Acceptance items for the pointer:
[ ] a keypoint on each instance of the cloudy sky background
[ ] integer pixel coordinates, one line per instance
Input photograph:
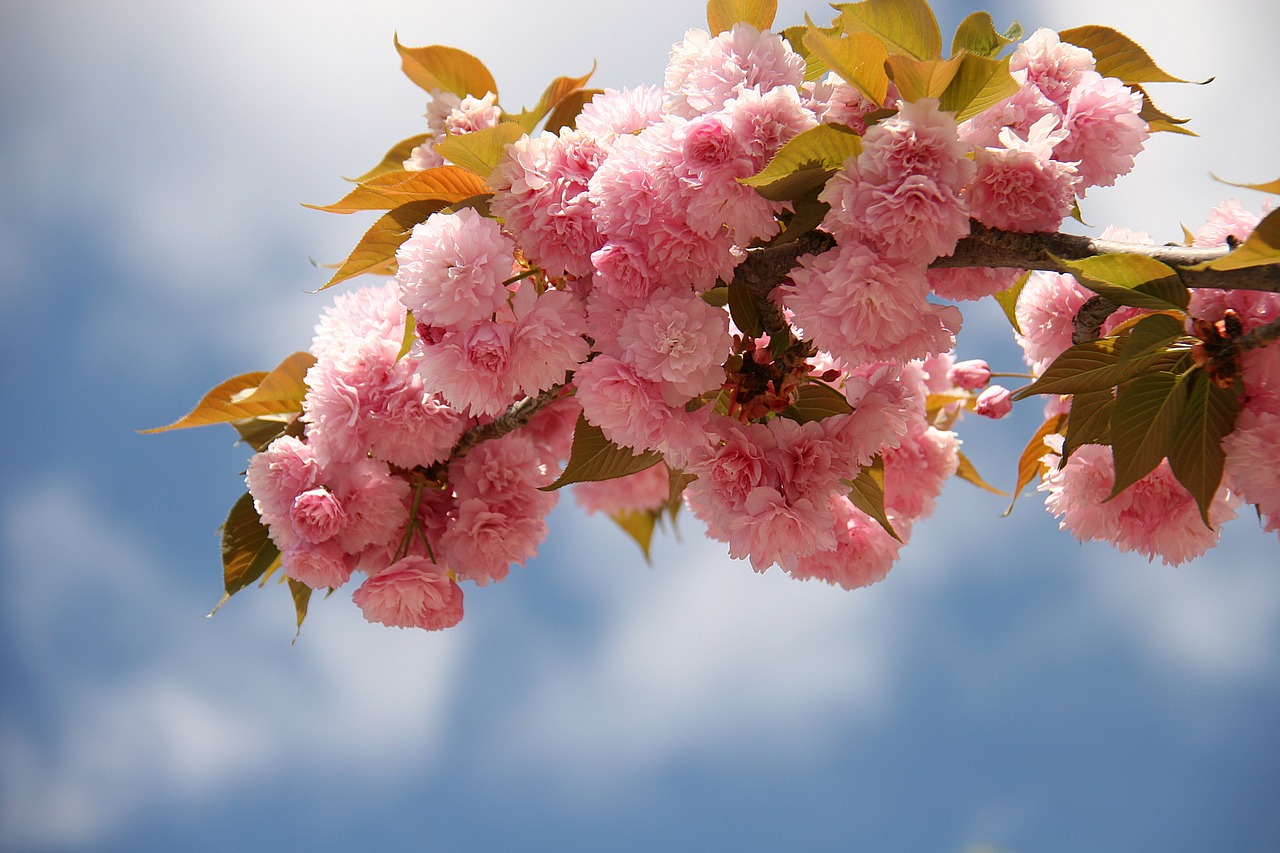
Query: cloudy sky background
(1004, 686)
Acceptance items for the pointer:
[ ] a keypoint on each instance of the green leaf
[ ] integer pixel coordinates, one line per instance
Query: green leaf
(1142, 425)
(677, 481)
(804, 164)
(376, 251)
(301, 594)
(593, 458)
(447, 69)
(410, 335)
(448, 184)
(250, 395)
(857, 57)
(1268, 187)
(1134, 280)
(716, 297)
(922, 78)
(968, 472)
(866, 492)
(743, 310)
(1117, 55)
(481, 150)
(1008, 300)
(566, 113)
(807, 214)
(815, 401)
(1154, 331)
(977, 35)
(247, 549)
(904, 26)
(978, 83)
(1196, 456)
(1089, 421)
(639, 525)
(393, 160)
(814, 67)
(560, 88)
(1096, 366)
(723, 14)
(1029, 464)
(1259, 248)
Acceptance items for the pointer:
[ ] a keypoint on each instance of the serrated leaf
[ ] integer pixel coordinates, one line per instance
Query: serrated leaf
(393, 160)
(1097, 366)
(1154, 331)
(723, 14)
(744, 311)
(1268, 187)
(238, 398)
(1029, 464)
(978, 83)
(922, 78)
(593, 458)
(807, 214)
(481, 150)
(560, 88)
(1117, 55)
(1089, 421)
(448, 184)
(1142, 426)
(447, 69)
(1158, 120)
(247, 549)
(301, 594)
(1134, 280)
(376, 251)
(968, 472)
(639, 525)
(804, 163)
(815, 401)
(977, 35)
(857, 57)
(866, 492)
(1196, 455)
(566, 113)
(903, 26)
(1008, 300)
(1259, 248)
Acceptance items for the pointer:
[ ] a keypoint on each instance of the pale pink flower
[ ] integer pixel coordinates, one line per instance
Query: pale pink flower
(834, 101)
(357, 321)
(1051, 65)
(1018, 113)
(319, 565)
(628, 408)
(485, 539)
(1019, 186)
(376, 504)
(864, 550)
(764, 121)
(317, 515)
(915, 470)
(547, 341)
(644, 490)
(679, 342)
(622, 269)
(413, 593)
(883, 408)
(279, 474)
(919, 140)
(471, 369)
(622, 111)
(423, 157)
(774, 530)
(1045, 310)
(970, 375)
(1104, 130)
(970, 283)
(1253, 465)
(452, 268)
(506, 469)
(704, 72)
(1229, 219)
(995, 402)
(447, 113)
(915, 220)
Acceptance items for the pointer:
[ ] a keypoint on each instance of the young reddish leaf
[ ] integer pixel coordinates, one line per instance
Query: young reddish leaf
(447, 69)
(815, 401)
(639, 525)
(922, 78)
(978, 83)
(247, 549)
(560, 88)
(447, 184)
(1029, 464)
(977, 35)
(723, 14)
(903, 26)
(1196, 456)
(393, 160)
(866, 492)
(1260, 247)
(566, 113)
(593, 457)
(1008, 300)
(1142, 426)
(1117, 55)
(480, 151)
(805, 163)
(968, 472)
(857, 57)
(1135, 280)
(376, 251)
(281, 392)
(301, 594)
(1089, 421)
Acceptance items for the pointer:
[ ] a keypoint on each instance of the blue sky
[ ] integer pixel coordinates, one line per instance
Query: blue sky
(1004, 687)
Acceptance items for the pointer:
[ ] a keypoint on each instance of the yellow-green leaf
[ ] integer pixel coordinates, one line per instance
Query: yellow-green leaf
(1117, 55)
(301, 594)
(447, 69)
(447, 184)
(481, 150)
(1089, 421)
(376, 251)
(566, 113)
(560, 88)
(259, 432)
(1142, 426)
(857, 57)
(639, 525)
(922, 78)
(814, 67)
(1196, 455)
(968, 472)
(1029, 464)
(977, 35)
(393, 160)
(1008, 300)
(1157, 119)
(593, 457)
(978, 83)
(250, 395)
(815, 401)
(410, 335)
(247, 549)
(1134, 280)
(904, 26)
(723, 14)
(866, 492)
(1268, 187)
(805, 162)
(1260, 247)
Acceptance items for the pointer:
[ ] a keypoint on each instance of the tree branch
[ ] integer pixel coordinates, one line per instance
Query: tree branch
(518, 415)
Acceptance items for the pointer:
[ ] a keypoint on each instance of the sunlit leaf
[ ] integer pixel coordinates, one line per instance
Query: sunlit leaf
(282, 391)
(814, 67)
(723, 14)
(1260, 247)
(805, 162)
(393, 160)
(410, 335)
(1089, 421)
(968, 472)
(1134, 280)
(560, 88)
(922, 78)
(744, 311)
(447, 184)
(866, 492)
(301, 594)
(285, 385)
(639, 525)
(593, 458)
(1008, 300)
(857, 57)
(1268, 187)
(1029, 464)
(1196, 457)
(1157, 119)
(1142, 425)
(815, 401)
(376, 250)
(904, 26)
(480, 151)
(570, 107)
(1117, 55)
(258, 433)
(247, 549)
(977, 35)
(447, 69)
(978, 83)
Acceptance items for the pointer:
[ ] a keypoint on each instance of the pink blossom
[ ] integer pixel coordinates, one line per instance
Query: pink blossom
(622, 269)
(375, 502)
(319, 565)
(995, 402)
(969, 283)
(1252, 464)
(279, 474)
(447, 113)
(1017, 113)
(452, 268)
(970, 375)
(471, 370)
(1051, 65)
(643, 490)
(628, 408)
(622, 111)
(1045, 309)
(547, 341)
(915, 470)
(705, 72)
(423, 157)
(834, 101)
(317, 515)
(920, 140)
(773, 530)
(763, 122)
(1019, 186)
(679, 342)
(485, 539)
(863, 554)
(914, 220)
(1104, 130)
(1229, 219)
(412, 593)
(357, 321)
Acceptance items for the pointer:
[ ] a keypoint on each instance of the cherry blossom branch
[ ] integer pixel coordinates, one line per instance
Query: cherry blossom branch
(518, 415)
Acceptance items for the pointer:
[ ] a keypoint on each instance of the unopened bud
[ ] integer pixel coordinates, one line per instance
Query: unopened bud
(970, 375)
(995, 402)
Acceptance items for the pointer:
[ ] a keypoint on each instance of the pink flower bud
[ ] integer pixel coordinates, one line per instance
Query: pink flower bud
(995, 402)
(970, 375)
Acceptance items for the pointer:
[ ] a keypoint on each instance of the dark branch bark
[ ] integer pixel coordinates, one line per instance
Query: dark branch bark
(509, 421)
